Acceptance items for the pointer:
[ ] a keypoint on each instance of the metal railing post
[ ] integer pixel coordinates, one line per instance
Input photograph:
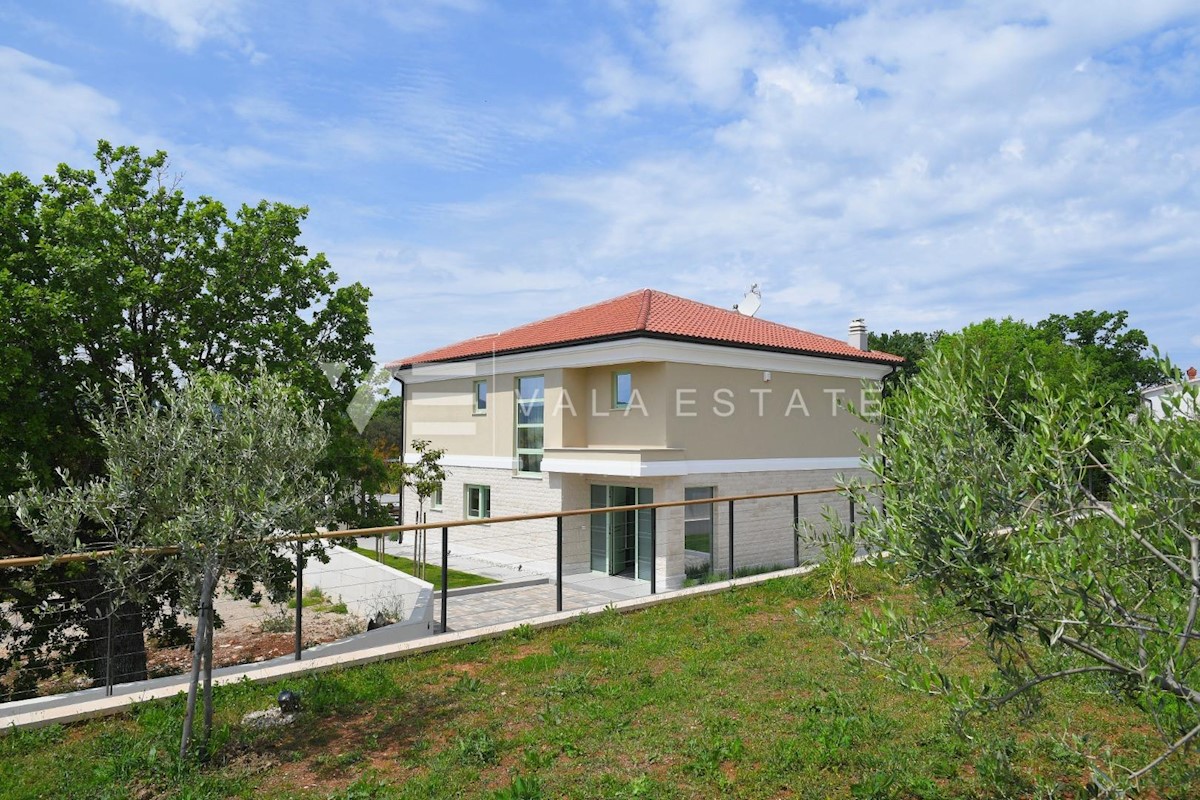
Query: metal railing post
(883, 490)
(108, 655)
(852, 517)
(730, 540)
(558, 564)
(653, 551)
(796, 529)
(445, 572)
(299, 600)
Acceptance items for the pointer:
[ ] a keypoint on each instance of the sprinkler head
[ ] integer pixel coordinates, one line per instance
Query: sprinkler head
(289, 701)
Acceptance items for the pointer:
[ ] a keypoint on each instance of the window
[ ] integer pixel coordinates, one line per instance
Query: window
(478, 501)
(479, 395)
(435, 499)
(622, 389)
(698, 520)
(531, 406)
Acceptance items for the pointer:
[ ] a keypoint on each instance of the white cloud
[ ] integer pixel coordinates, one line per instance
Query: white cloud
(926, 167)
(921, 164)
(423, 15)
(424, 296)
(60, 117)
(415, 117)
(710, 46)
(689, 52)
(619, 87)
(191, 22)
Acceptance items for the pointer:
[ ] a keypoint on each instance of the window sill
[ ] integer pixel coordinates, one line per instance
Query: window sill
(530, 476)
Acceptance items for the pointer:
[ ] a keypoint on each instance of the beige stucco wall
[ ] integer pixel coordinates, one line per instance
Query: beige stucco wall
(569, 430)
(441, 412)
(735, 413)
(643, 423)
(708, 412)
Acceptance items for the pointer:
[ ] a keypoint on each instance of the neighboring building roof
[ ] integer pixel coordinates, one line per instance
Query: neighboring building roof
(649, 313)
(1155, 396)
(1172, 387)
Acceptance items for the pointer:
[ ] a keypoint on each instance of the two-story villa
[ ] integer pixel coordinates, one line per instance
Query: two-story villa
(647, 397)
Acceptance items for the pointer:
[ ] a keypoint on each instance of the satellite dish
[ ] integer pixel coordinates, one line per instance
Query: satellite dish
(751, 301)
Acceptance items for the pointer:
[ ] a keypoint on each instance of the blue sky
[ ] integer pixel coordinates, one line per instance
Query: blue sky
(481, 164)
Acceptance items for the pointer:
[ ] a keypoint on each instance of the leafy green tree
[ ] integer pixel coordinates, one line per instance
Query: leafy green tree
(112, 271)
(384, 431)
(983, 471)
(1004, 346)
(1119, 357)
(385, 434)
(213, 473)
(913, 346)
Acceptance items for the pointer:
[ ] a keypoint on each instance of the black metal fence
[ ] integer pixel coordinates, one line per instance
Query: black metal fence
(79, 629)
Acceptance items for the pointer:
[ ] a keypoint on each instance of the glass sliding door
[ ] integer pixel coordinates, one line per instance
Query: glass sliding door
(620, 540)
(698, 530)
(599, 543)
(644, 526)
(622, 530)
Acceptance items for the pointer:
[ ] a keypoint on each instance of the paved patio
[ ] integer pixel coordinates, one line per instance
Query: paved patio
(493, 607)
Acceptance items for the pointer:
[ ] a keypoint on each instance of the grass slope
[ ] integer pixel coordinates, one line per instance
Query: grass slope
(742, 694)
(433, 572)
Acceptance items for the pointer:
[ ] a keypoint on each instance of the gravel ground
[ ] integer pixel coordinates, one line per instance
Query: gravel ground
(251, 633)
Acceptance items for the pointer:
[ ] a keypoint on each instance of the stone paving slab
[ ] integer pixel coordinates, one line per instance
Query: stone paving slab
(507, 605)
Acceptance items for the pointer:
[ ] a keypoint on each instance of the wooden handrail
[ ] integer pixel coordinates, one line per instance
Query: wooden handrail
(94, 555)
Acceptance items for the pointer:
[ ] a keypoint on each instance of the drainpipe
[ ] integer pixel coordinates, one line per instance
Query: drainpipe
(883, 456)
(403, 403)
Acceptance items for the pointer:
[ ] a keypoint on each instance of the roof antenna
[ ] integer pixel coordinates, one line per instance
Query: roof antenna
(751, 301)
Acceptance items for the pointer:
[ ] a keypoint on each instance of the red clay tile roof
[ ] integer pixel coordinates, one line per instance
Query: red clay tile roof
(654, 314)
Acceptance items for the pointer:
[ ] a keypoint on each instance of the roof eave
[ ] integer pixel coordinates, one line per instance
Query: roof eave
(865, 357)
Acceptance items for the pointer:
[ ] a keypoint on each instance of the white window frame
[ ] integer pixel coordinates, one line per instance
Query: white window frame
(517, 425)
(485, 501)
(475, 407)
(616, 400)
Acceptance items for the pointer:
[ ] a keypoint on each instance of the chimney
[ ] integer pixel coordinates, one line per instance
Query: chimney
(1191, 373)
(858, 334)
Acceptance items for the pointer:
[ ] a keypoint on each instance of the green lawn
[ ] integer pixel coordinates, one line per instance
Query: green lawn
(744, 694)
(433, 572)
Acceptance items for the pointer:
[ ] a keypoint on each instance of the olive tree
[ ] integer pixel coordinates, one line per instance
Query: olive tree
(198, 485)
(987, 507)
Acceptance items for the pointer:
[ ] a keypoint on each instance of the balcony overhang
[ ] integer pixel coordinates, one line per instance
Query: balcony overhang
(625, 462)
(658, 462)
